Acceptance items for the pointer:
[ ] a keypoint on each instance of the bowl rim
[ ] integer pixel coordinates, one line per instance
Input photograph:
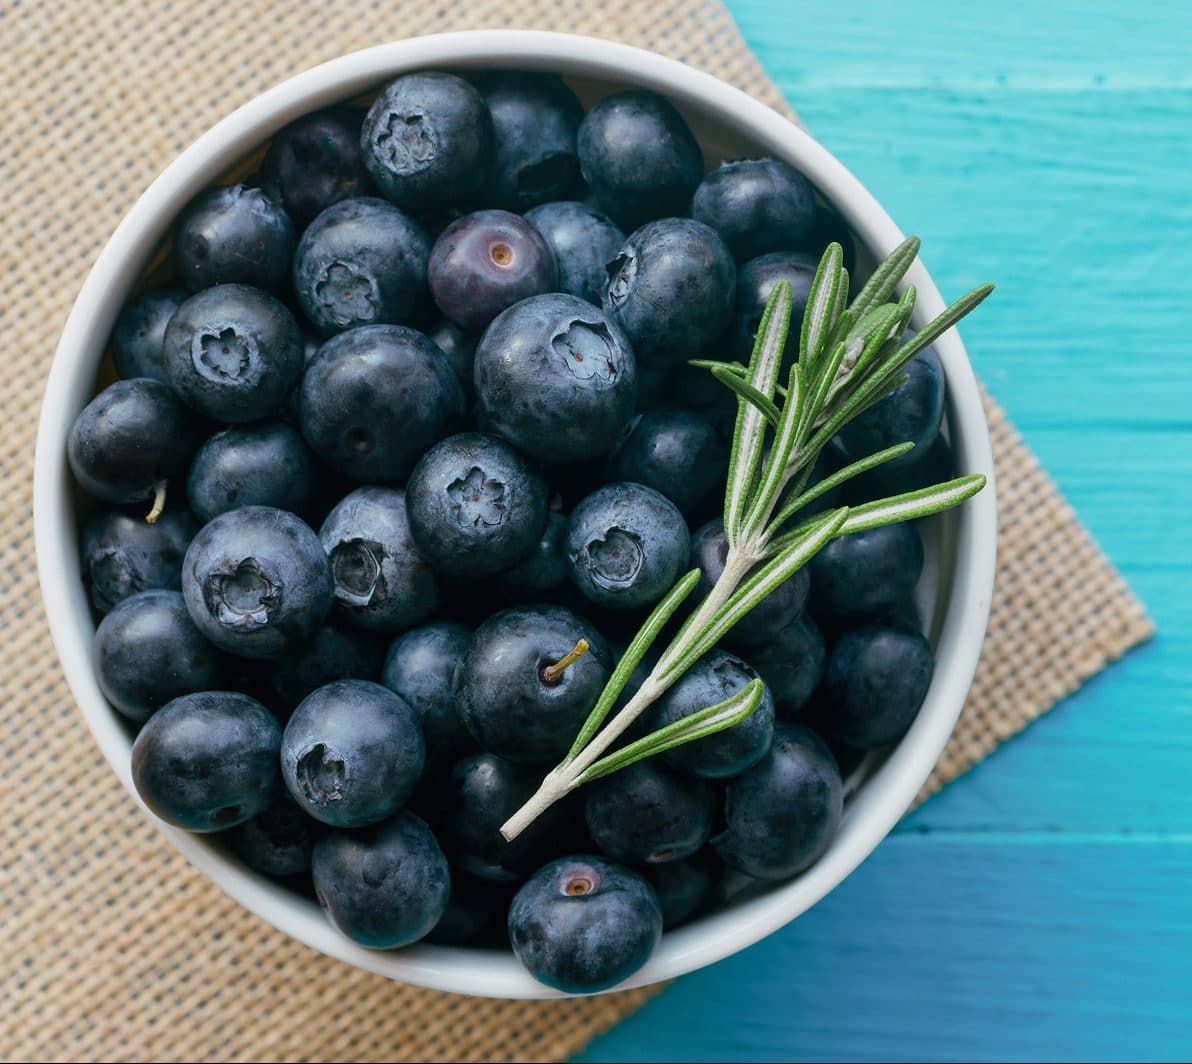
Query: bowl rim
(886, 794)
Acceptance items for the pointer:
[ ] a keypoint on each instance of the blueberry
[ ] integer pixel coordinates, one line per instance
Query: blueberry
(352, 753)
(148, 652)
(583, 924)
(556, 377)
(709, 550)
(140, 332)
(476, 507)
(234, 235)
(207, 761)
(685, 888)
(383, 583)
(420, 667)
(265, 464)
(645, 814)
(428, 140)
(876, 681)
(476, 797)
(521, 694)
(123, 553)
(384, 887)
(373, 399)
(791, 663)
(755, 282)
(129, 439)
(866, 574)
(783, 813)
(256, 581)
(459, 348)
(639, 157)
(330, 654)
(278, 841)
(535, 118)
(912, 413)
(757, 206)
(475, 914)
(233, 353)
(545, 568)
(584, 241)
(830, 227)
(716, 677)
(361, 262)
(626, 545)
(671, 288)
(487, 261)
(675, 452)
(315, 162)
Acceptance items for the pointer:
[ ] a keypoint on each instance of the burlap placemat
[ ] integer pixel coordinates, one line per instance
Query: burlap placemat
(111, 946)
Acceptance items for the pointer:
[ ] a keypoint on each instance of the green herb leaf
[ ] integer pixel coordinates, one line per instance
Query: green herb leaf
(749, 434)
(885, 278)
(697, 725)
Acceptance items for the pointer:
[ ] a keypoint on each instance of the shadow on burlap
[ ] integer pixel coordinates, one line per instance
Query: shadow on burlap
(111, 946)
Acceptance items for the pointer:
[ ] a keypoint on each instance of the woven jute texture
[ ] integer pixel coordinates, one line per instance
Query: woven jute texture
(111, 946)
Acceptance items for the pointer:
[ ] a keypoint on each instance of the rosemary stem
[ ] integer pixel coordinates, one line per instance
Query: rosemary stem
(565, 778)
(552, 789)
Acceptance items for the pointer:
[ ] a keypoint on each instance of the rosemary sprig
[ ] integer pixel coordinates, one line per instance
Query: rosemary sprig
(849, 358)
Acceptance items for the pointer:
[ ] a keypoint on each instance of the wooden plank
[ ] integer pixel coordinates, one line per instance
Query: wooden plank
(1062, 45)
(1076, 205)
(962, 947)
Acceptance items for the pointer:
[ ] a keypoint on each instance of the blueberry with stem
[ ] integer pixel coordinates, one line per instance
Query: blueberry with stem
(122, 553)
(528, 680)
(130, 441)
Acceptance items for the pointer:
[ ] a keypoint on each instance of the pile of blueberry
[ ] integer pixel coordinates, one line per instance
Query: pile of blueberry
(415, 430)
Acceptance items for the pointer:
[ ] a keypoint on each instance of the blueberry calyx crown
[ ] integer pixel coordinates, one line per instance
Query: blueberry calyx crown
(244, 598)
(407, 141)
(616, 559)
(621, 272)
(221, 353)
(347, 295)
(586, 350)
(356, 570)
(477, 499)
(321, 774)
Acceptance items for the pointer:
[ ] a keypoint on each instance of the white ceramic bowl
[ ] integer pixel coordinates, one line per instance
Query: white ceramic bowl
(954, 594)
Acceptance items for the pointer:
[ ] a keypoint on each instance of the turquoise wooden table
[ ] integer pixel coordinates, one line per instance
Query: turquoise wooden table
(1041, 907)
